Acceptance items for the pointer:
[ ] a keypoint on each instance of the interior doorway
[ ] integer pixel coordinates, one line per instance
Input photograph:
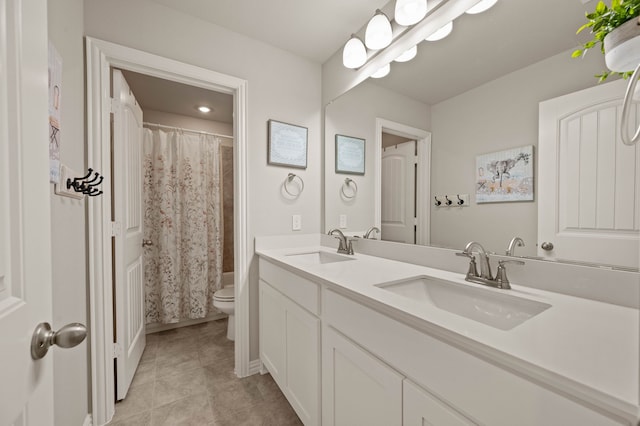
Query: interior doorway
(407, 214)
(101, 58)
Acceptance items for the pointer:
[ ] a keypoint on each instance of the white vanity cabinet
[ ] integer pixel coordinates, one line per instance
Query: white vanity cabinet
(420, 408)
(290, 339)
(358, 389)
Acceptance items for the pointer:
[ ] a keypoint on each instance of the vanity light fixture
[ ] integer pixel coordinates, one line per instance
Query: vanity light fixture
(409, 12)
(481, 6)
(382, 72)
(408, 55)
(444, 31)
(378, 34)
(354, 54)
(204, 109)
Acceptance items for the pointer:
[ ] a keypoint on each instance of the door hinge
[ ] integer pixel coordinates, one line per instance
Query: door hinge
(116, 229)
(117, 350)
(114, 104)
(415, 221)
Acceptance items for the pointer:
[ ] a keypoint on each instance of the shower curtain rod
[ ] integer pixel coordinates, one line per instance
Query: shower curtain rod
(186, 130)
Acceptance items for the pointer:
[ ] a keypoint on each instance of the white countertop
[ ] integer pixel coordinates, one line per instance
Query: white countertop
(587, 348)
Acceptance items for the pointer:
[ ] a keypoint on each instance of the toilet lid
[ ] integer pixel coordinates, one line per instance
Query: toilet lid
(224, 293)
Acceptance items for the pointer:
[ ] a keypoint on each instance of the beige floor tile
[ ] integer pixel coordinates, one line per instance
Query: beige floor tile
(177, 386)
(187, 376)
(138, 400)
(141, 419)
(193, 410)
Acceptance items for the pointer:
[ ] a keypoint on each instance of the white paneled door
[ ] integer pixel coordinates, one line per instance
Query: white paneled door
(26, 385)
(398, 204)
(589, 181)
(127, 206)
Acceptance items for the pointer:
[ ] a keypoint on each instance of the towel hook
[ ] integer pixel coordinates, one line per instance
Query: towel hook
(86, 184)
(347, 184)
(290, 177)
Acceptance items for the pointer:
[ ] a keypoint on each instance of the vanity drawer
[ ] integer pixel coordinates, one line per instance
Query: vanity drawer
(302, 291)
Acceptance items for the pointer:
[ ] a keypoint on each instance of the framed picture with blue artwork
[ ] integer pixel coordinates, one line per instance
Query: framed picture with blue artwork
(350, 157)
(286, 145)
(505, 176)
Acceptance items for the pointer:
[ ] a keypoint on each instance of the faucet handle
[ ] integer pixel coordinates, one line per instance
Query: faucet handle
(473, 268)
(465, 254)
(501, 273)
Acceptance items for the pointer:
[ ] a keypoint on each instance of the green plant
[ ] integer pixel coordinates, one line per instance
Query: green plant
(602, 21)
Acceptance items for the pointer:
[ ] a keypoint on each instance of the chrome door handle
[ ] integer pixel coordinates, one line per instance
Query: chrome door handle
(546, 246)
(146, 243)
(67, 337)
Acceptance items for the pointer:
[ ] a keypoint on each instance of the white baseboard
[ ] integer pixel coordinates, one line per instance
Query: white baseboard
(88, 421)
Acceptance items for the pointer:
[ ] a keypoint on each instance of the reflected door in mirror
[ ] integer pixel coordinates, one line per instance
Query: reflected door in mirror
(399, 164)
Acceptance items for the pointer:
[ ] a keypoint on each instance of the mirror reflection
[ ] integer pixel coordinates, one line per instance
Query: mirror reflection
(485, 89)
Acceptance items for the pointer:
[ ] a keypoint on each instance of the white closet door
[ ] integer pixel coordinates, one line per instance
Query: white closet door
(127, 202)
(398, 193)
(589, 181)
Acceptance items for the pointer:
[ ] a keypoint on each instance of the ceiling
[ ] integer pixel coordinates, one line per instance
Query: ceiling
(511, 35)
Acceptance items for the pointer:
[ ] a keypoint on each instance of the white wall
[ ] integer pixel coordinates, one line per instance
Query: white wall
(281, 86)
(354, 114)
(68, 238)
(499, 115)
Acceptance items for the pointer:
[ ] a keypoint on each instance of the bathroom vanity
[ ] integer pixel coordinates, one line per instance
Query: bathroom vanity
(361, 339)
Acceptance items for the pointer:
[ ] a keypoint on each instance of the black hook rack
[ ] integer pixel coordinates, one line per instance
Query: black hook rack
(86, 184)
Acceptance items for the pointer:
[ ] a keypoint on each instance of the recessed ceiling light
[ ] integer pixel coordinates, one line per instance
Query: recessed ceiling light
(204, 109)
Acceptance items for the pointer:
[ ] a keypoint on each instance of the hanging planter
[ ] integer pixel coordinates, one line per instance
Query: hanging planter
(617, 30)
(622, 47)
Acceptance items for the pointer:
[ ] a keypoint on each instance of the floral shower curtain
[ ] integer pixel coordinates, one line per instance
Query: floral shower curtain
(183, 220)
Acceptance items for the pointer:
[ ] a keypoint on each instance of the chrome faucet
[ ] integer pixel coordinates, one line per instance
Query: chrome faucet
(345, 246)
(485, 277)
(371, 231)
(515, 242)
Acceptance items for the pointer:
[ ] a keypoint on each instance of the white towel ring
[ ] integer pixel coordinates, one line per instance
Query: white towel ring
(347, 184)
(288, 180)
(626, 109)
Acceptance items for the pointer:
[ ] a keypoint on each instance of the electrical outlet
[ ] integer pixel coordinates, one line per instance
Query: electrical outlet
(343, 221)
(296, 222)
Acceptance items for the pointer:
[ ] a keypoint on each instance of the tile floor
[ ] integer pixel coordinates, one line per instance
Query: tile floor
(186, 377)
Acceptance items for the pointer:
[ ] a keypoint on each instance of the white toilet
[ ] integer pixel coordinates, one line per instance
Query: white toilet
(223, 299)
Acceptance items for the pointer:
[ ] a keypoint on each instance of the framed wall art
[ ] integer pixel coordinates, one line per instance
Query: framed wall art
(505, 176)
(350, 158)
(287, 145)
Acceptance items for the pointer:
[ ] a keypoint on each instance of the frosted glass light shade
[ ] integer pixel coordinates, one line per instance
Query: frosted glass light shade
(481, 7)
(354, 54)
(407, 55)
(444, 31)
(409, 12)
(382, 72)
(378, 34)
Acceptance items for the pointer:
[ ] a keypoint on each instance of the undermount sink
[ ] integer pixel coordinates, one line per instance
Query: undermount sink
(496, 309)
(318, 257)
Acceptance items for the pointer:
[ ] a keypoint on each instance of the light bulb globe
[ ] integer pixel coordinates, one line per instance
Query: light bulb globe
(378, 34)
(481, 7)
(407, 55)
(409, 12)
(382, 72)
(354, 54)
(444, 31)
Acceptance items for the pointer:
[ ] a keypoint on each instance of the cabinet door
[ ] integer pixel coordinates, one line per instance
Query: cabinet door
(421, 408)
(357, 388)
(272, 332)
(303, 363)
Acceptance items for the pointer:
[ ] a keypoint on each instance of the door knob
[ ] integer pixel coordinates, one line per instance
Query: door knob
(146, 243)
(547, 246)
(67, 337)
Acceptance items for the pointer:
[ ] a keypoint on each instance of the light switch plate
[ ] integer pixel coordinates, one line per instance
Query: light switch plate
(296, 222)
(61, 188)
(343, 221)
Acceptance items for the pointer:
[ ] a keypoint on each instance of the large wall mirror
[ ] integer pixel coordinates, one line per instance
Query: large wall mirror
(477, 92)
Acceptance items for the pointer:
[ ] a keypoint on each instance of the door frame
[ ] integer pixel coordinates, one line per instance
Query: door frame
(101, 56)
(423, 179)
